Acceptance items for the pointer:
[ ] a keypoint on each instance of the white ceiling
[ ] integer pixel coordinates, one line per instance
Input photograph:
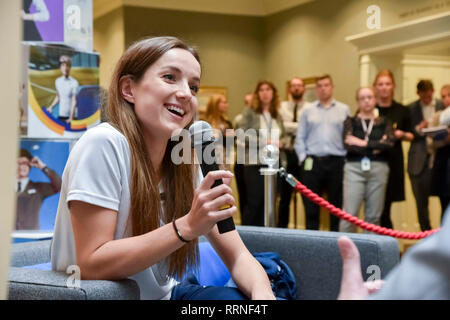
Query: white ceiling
(259, 8)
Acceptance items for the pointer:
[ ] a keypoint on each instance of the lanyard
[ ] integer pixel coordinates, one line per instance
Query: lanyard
(367, 130)
(268, 123)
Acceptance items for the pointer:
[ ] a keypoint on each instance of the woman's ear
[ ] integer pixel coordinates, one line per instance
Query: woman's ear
(126, 88)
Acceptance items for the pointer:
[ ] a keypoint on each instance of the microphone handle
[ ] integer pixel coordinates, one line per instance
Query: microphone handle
(223, 225)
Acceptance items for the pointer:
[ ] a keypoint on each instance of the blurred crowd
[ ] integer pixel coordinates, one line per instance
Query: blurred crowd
(352, 158)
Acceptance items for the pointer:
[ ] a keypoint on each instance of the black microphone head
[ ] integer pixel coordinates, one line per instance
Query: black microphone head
(201, 132)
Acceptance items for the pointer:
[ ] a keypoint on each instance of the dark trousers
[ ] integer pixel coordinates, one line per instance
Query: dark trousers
(286, 189)
(241, 188)
(254, 210)
(385, 219)
(326, 175)
(190, 289)
(421, 186)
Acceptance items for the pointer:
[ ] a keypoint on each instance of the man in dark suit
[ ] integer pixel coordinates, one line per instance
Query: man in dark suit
(30, 194)
(420, 156)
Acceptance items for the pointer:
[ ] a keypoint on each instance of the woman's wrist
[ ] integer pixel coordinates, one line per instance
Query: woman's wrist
(182, 229)
(364, 143)
(177, 232)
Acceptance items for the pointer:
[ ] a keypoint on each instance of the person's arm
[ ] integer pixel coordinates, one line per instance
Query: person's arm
(100, 256)
(351, 143)
(386, 142)
(72, 109)
(444, 118)
(291, 127)
(54, 102)
(422, 273)
(302, 133)
(440, 140)
(251, 137)
(248, 274)
(47, 189)
(405, 133)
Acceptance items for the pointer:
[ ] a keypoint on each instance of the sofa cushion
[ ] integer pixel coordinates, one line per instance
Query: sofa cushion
(33, 284)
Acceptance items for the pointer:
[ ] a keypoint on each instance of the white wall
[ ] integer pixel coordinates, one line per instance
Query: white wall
(417, 67)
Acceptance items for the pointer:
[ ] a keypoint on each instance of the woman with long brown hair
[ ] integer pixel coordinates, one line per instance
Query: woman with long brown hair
(400, 118)
(263, 125)
(126, 210)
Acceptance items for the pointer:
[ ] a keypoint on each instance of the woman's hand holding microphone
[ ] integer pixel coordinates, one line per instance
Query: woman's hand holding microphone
(206, 206)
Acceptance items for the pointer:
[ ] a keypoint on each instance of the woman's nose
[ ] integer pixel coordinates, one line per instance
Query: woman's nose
(184, 92)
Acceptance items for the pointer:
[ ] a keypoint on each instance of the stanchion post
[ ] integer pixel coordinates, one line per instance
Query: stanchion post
(270, 185)
(271, 158)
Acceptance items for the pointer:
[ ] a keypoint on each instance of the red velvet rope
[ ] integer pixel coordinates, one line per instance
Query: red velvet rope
(358, 222)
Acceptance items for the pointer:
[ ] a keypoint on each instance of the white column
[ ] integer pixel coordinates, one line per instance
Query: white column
(10, 36)
(364, 70)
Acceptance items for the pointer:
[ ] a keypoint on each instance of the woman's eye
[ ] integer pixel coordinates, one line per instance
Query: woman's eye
(170, 77)
(194, 89)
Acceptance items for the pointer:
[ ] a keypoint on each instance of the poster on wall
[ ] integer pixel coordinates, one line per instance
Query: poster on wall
(40, 165)
(59, 21)
(63, 92)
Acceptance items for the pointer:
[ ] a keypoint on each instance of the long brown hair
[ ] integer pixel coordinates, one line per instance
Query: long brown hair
(274, 104)
(177, 180)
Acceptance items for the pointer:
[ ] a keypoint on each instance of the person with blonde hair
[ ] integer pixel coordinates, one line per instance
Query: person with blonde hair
(126, 209)
(216, 116)
(387, 107)
(216, 113)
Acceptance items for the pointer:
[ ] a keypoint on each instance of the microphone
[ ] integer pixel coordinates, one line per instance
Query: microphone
(202, 137)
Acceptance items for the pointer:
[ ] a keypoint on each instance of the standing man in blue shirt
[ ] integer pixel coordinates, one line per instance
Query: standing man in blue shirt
(320, 150)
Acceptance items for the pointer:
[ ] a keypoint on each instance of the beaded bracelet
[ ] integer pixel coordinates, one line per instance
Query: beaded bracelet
(178, 232)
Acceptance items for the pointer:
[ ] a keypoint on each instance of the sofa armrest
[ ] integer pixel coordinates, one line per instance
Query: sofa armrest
(314, 256)
(30, 253)
(31, 284)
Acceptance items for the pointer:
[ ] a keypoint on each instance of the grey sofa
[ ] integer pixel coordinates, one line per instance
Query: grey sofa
(312, 255)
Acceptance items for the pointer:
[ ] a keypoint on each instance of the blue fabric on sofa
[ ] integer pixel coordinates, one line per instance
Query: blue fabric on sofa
(212, 270)
(40, 266)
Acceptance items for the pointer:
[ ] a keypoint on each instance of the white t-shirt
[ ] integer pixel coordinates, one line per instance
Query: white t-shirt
(98, 172)
(67, 89)
(445, 117)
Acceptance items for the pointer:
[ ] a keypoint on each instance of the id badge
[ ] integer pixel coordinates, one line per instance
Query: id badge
(365, 164)
(308, 164)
